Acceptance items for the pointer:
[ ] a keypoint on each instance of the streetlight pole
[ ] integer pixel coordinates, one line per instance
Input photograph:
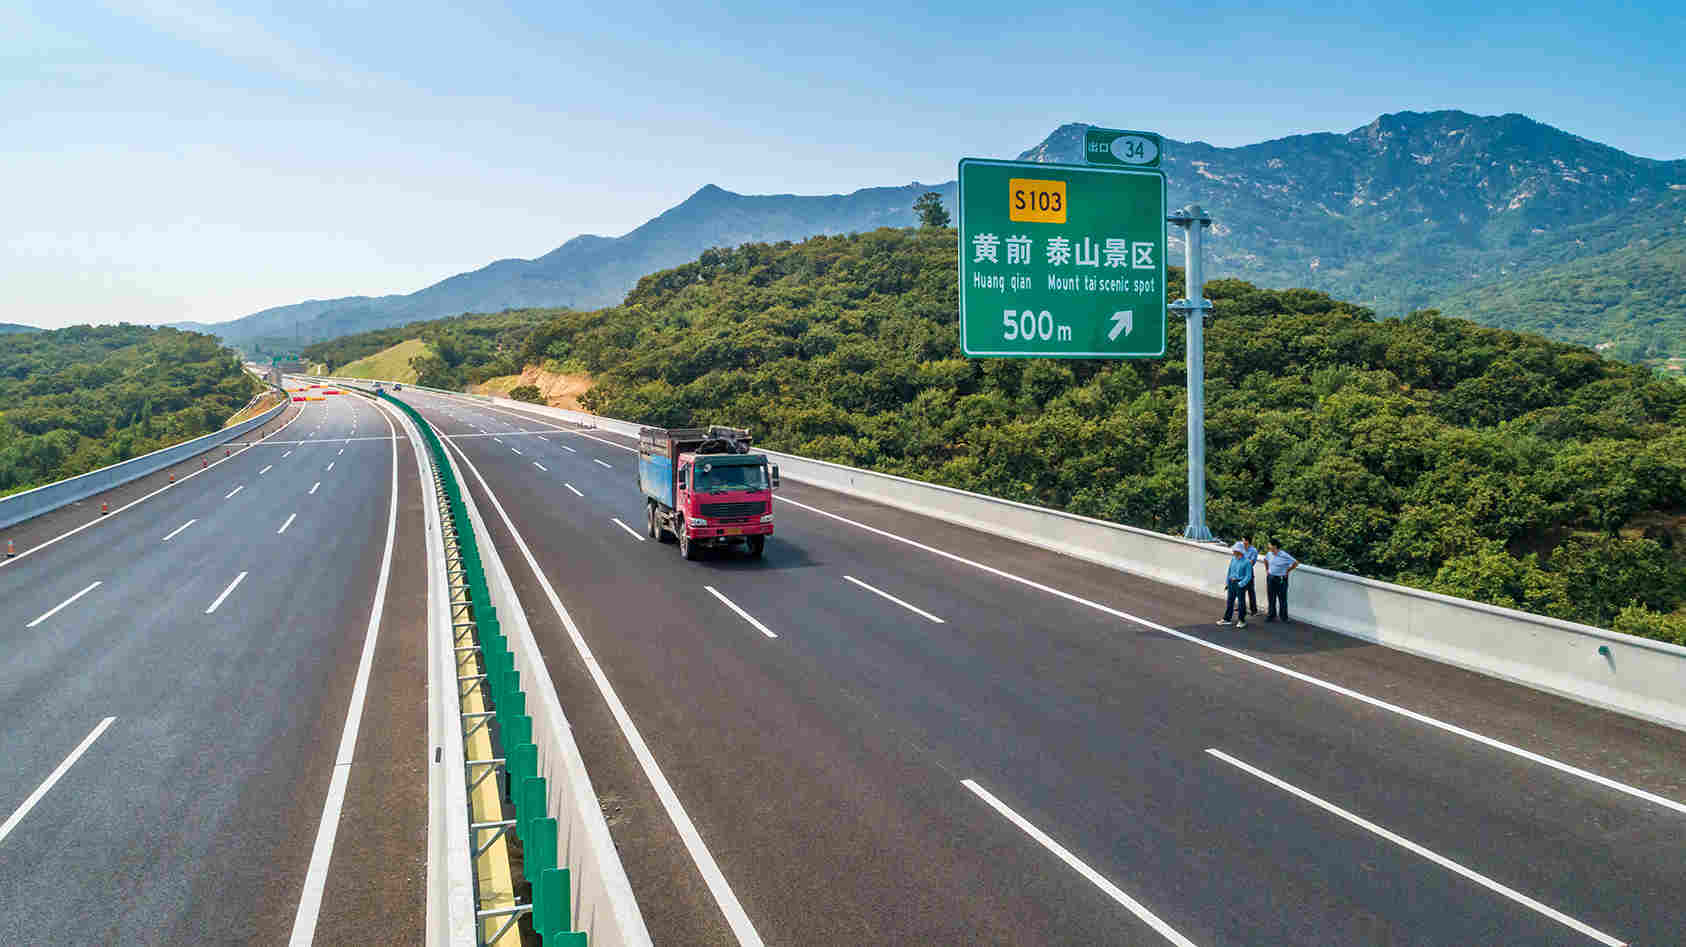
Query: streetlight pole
(1194, 307)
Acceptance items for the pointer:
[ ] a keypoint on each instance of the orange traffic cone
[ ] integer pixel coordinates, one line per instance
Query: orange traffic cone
(226, 452)
(172, 478)
(104, 508)
(204, 463)
(11, 549)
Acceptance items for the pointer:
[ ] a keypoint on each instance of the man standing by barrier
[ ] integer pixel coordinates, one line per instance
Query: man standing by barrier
(1250, 553)
(1277, 566)
(1235, 587)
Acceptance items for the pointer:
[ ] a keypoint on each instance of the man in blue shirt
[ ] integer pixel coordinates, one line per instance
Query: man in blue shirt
(1277, 566)
(1250, 552)
(1235, 585)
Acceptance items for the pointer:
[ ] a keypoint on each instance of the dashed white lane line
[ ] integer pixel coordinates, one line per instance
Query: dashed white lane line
(289, 522)
(883, 594)
(231, 493)
(516, 451)
(286, 455)
(541, 466)
(314, 486)
(734, 607)
(600, 463)
(226, 592)
(57, 774)
(571, 487)
(342, 450)
(567, 448)
(1329, 686)
(632, 532)
(61, 606)
(172, 533)
(498, 439)
(1416, 849)
(330, 466)
(1112, 891)
(266, 470)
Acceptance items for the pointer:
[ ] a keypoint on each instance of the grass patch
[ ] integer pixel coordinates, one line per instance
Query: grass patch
(389, 364)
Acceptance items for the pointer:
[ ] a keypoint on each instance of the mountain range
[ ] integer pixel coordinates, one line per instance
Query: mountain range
(1500, 219)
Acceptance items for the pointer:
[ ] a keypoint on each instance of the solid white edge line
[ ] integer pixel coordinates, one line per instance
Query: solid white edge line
(1471, 735)
(634, 533)
(736, 918)
(53, 777)
(1413, 847)
(1113, 891)
(289, 522)
(62, 605)
(571, 487)
(741, 613)
(226, 592)
(599, 462)
(316, 876)
(880, 592)
(172, 533)
(314, 486)
(232, 492)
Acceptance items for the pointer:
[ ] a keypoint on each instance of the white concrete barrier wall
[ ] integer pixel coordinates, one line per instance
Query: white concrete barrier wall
(1625, 673)
(48, 497)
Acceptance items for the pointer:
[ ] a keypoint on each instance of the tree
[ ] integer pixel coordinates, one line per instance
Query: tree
(929, 207)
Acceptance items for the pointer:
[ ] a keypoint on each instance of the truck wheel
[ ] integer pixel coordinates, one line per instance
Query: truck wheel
(756, 544)
(651, 528)
(687, 548)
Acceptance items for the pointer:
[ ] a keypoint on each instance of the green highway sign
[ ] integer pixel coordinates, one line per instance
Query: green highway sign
(1061, 261)
(1116, 147)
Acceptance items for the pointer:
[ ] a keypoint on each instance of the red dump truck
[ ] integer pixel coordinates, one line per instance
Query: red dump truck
(704, 487)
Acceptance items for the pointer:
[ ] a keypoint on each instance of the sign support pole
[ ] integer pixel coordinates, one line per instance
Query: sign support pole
(1194, 307)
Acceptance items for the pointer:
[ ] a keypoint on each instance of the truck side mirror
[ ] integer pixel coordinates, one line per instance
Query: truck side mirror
(775, 468)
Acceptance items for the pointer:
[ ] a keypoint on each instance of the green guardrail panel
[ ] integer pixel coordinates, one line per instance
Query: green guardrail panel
(551, 894)
(529, 806)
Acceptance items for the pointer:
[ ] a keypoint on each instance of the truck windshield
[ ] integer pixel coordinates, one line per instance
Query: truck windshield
(732, 479)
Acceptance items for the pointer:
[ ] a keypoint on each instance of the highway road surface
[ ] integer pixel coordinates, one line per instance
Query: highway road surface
(177, 686)
(894, 730)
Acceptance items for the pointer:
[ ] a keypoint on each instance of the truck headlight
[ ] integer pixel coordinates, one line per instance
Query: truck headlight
(766, 517)
(697, 521)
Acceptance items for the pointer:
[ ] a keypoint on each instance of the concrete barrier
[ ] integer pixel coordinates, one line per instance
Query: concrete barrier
(1632, 675)
(48, 497)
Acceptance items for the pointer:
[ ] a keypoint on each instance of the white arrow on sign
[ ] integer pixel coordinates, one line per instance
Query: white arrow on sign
(1121, 322)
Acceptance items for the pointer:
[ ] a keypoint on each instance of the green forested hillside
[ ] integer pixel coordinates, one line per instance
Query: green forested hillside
(1428, 450)
(77, 399)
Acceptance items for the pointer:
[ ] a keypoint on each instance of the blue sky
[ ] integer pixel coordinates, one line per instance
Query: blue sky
(180, 159)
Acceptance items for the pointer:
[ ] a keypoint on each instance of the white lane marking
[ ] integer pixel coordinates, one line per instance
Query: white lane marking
(286, 455)
(172, 533)
(314, 486)
(541, 466)
(880, 592)
(498, 439)
(57, 608)
(330, 466)
(635, 534)
(232, 492)
(1413, 847)
(225, 592)
(600, 463)
(1471, 735)
(516, 451)
(567, 448)
(736, 918)
(53, 777)
(571, 487)
(266, 470)
(1113, 891)
(741, 613)
(342, 450)
(289, 522)
(316, 876)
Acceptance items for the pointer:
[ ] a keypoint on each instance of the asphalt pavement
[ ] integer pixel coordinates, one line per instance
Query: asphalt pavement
(892, 729)
(176, 686)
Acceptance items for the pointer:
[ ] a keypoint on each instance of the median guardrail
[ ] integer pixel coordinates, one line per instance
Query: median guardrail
(1637, 676)
(568, 856)
(48, 497)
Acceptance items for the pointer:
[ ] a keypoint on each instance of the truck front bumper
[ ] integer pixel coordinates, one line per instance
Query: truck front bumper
(730, 533)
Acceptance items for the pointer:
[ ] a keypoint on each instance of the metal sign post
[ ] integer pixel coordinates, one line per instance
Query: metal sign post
(1194, 307)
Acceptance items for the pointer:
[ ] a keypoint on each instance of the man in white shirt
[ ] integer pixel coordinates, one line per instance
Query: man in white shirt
(1277, 566)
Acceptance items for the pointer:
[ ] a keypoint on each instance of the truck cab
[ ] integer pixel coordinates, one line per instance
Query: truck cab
(704, 487)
